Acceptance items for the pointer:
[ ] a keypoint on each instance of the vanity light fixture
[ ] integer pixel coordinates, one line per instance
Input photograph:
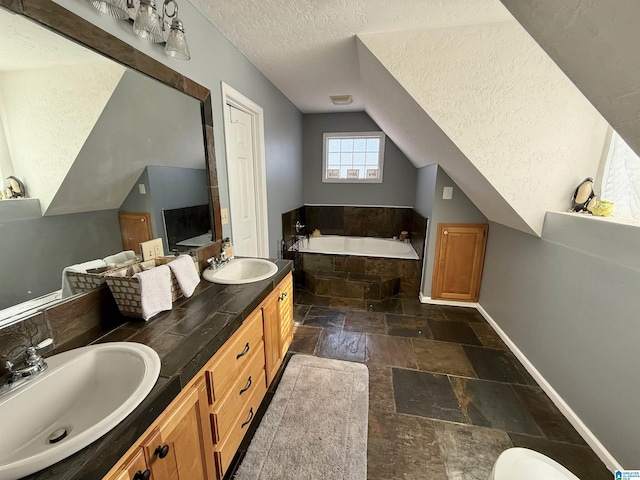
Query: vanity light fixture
(148, 24)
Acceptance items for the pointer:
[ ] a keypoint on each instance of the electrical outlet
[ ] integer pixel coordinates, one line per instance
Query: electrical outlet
(224, 216)
(152, 249)
(447, 193)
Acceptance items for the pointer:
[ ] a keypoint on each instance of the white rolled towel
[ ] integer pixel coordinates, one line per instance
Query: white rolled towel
(155, 290)
(67, 289)
(185, 273)
(121, 257)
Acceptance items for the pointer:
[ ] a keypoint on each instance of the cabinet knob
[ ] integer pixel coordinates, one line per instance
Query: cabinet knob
(162, 451)
(281, 297)
(446, 233)
(140, 475)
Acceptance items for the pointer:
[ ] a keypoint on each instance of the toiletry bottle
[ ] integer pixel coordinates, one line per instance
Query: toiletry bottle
(227, 248)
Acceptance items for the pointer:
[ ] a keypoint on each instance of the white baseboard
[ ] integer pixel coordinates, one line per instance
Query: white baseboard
(452, 303)
(588, 436)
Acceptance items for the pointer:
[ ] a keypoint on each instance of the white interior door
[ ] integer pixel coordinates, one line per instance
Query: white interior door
(240, 170)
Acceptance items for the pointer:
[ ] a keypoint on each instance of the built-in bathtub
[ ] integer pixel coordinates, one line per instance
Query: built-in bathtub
(357, 269)
(359, 246)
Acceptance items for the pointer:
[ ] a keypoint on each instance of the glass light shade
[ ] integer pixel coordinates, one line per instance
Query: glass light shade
(148, 24)
(113, 8)
(177, 45)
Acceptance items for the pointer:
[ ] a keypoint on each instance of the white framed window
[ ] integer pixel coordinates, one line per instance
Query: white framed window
(621, 179)
(353, 157)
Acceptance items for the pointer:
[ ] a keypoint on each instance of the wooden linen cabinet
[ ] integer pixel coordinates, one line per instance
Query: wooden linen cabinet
(458, 262)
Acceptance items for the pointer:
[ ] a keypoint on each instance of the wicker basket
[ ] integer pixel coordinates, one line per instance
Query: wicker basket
(82, 282)
(126, 289)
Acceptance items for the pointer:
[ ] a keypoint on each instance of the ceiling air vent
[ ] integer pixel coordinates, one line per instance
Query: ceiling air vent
(341, 99)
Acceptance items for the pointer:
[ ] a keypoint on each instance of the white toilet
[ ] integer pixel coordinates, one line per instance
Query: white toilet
(525, 464)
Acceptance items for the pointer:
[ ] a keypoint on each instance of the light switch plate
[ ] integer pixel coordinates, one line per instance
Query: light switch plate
(152, 249)
(142, 189)
(224, 216)
(447, 193)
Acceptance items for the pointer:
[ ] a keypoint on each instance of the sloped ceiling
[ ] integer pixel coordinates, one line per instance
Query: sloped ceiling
(459, 83)
(307, 49)
(81, 128)
(596, 44)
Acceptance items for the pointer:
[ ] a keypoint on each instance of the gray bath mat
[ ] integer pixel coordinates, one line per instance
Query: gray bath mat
(316, 425)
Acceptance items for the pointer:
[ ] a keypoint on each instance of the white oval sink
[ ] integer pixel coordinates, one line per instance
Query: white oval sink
(86, 391)
(241, 270)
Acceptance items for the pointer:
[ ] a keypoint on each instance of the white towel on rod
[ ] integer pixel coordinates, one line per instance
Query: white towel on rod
(186, 274)
(155, 290)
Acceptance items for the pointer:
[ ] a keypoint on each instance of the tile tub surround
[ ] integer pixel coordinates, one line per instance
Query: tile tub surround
(357, 277)
(380, 222)
(185, 338)
(445, 397)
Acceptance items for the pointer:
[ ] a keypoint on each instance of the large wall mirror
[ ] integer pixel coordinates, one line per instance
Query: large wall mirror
(94, 128)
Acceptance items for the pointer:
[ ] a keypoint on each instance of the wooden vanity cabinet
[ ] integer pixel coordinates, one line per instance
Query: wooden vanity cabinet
(199, 433)
(277, 314)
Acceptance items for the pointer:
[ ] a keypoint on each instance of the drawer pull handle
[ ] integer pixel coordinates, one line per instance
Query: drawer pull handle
(244, 352)
(162, 451)
(247, 387)
(140, 475)
(249, 419)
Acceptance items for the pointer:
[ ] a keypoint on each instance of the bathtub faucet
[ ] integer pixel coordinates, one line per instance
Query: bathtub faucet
(299, 226)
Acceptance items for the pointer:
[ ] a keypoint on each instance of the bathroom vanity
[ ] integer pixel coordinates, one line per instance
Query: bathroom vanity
(198, 434)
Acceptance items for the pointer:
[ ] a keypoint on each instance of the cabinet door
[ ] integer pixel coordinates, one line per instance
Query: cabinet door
(271, 325)
(458, 261)
(285, 314)
(134, 469)
(177, 450)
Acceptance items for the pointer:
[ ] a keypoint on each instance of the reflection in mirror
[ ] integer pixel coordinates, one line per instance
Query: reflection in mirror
(90, 139)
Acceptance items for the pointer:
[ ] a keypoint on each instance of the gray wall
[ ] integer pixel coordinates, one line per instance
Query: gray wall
(167, 188)
(62, 240)
(175, 188)
(398, 181)
(570, 302)
(214, 59)
(458, 209)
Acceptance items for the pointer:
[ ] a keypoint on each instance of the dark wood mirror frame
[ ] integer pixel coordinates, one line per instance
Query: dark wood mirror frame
(60, 20)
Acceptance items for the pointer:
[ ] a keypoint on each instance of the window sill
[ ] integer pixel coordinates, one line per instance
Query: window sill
(19, 208)
(609, 238)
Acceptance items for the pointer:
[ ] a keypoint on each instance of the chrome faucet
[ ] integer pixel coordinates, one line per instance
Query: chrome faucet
(33, 365)
(217, 263)
(299, 226)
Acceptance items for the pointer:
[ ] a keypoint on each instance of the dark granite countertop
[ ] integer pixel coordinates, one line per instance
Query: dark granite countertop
(185, 339)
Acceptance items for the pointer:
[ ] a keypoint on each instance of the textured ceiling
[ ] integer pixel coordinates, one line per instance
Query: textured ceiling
(308, 48)
(27, 46)
(596, 44)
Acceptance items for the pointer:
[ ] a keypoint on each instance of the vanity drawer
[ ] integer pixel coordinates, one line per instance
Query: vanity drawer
(229, 407)
(225, 451)
(230, 361)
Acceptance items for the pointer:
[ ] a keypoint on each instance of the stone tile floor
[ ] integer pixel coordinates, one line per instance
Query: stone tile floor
(446, 396)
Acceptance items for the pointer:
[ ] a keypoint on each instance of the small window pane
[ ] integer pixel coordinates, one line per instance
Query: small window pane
(358, 158)
(373, 145)
(372, 159)
(359, 144)
(334, 145)
(346, 159)
(333, 159)
(343, 172)
(346, 145)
